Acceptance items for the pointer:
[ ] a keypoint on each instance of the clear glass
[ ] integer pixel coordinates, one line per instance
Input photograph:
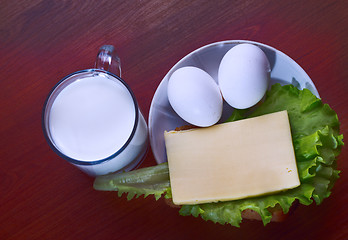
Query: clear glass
(134, 149)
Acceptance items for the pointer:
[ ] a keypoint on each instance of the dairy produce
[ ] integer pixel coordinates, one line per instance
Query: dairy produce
(232, 161)
(92, 118)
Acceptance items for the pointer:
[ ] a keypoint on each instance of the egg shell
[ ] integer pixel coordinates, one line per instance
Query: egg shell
(243, 75)
(195, 96)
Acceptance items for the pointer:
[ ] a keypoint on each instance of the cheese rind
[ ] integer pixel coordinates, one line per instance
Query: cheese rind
(232, 161)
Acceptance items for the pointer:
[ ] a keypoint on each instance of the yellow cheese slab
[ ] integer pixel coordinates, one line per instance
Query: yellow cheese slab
(232, 161)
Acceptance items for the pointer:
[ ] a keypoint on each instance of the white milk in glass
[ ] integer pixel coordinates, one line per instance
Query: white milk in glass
(92, 119)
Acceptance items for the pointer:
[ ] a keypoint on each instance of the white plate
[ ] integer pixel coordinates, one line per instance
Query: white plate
(162, 117)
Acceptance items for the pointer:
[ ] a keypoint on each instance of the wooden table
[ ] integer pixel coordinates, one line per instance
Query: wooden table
(44, 197)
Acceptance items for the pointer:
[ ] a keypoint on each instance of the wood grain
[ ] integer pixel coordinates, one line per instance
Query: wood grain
(43, 197)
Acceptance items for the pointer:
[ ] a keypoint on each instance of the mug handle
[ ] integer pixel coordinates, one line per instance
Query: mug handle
(108, 60)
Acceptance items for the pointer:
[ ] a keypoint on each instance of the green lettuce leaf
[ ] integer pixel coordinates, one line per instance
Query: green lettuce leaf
(307, 113)
(145, 181)
(317, 143)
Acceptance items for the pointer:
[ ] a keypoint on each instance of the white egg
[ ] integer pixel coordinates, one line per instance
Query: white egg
(195, 96)
(244, 75)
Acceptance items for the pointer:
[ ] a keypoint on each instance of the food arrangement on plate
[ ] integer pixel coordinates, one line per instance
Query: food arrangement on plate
(239, 132)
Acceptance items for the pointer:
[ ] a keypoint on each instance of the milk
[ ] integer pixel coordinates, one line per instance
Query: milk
(93, 118)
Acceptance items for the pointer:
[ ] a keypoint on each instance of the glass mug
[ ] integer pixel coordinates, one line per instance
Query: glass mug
(92, 119)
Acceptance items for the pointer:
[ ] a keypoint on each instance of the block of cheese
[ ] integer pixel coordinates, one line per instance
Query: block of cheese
(232, 160)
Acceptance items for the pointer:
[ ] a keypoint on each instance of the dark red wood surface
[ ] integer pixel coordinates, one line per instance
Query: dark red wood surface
(43, 197)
